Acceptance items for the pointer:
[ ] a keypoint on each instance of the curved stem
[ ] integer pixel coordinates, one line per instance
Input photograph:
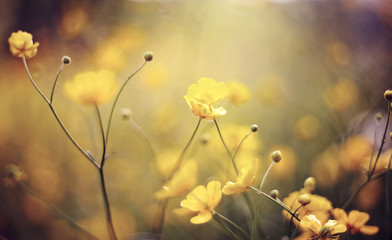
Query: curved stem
(382, 141)
(55, 81)
(227, 149)
(239, 145)
(57, 211)
(387, 200)
(116, 100)
(109, 219)
(243, 233)
(253, 234)
(90, 158)
(275, 201)
(182, 155)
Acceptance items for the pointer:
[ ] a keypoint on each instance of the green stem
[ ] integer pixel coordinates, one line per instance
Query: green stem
(182, 155)
(90, 158)
(291, 220)
(275, 201)
(387, 200)
(55, 81)
(116, 100)
(57, 211)
(239, 145)
(227, 149)
(382, 141)
(253, 234)
(242, 232)
(109, 219)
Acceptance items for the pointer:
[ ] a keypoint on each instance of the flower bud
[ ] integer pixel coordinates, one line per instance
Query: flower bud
(66, 60)
(304, 199)
(378, 116)
(126, 113)
(204, 138)
(276, 156)
(388, 95)
(274, 193)
(148, 56)
(254, 127)
(310, 184)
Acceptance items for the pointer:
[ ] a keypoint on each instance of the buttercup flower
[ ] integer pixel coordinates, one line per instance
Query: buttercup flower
(355, 221)
(330, 230)
(202, 96)
(22, 43)
(92, 87)
(245, 178)
(181, 182)
(319, 206)
(202, 201)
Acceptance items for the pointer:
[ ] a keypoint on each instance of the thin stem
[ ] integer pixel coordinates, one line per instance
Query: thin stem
(382, 141)
(227, 149)
(253, 234)
(266, 175)
(291, 219)
(239, 145)
(116, 100)
(387, 200)
(109, 219)
(232, 224)
(55, 81)
(57, 211)
(275, 201)
(374, 145)
(140, 131)
(32, 81)
(90, 158)
(182, 155)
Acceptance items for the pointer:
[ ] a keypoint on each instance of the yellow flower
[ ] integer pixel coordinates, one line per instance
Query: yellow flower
(245, 178)
(318, 206)
(22, 43)
(238, 93)
(355, 221)
(92, 87)
(202, 201)
(329, 230)
(181, 182)
(202, 96)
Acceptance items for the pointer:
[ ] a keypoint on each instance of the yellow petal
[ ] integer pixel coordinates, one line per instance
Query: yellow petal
(340, 215)
(369, 230)
(311, 222)
(202, 217)
(214, 193)
(231, 188)
(357, 218)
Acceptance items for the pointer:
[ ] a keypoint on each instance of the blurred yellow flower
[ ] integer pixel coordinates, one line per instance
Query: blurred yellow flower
(355, 221)
(238, 92)
(22, 43)
(306, 127)
(354, 153)
(92, 87)
(181, 183)
(245, 178)
(202, 201)
(329, 230)
(202, 96)
(342, 95)
(318, 206)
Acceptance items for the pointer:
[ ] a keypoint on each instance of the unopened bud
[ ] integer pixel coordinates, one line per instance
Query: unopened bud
(388, 95)
(254, 127)
(310, 184)
(126, 113)
(276, 156)
(204, 138)
(66, 60)
(148, 56)
(274, 193)
(304, 199)
(378, 116)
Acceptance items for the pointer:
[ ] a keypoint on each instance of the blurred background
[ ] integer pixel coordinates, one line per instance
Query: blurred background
(311, 74)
